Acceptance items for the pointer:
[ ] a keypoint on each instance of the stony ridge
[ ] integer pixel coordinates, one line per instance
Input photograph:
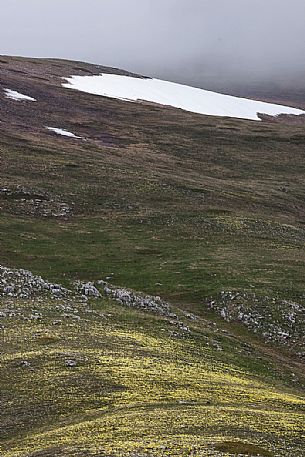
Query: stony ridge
(284, 325)
(24, 284)
(20, 283)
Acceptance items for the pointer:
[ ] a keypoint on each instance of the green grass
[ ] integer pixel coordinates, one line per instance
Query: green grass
(185, 262)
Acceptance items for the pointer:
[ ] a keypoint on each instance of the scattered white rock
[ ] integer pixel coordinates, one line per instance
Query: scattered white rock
(24, 284)
(25, 364)
(70, 363)
(129, 298)
(88, 289)
(283, 324)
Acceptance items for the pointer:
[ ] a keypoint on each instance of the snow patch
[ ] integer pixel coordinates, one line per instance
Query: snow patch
(176, 95)
(17, 96)
(63, 132)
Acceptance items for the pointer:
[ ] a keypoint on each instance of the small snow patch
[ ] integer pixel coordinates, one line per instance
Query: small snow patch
(17, 96)
(63, 132)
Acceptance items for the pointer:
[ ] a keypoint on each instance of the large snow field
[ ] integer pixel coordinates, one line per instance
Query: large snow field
(175, 95)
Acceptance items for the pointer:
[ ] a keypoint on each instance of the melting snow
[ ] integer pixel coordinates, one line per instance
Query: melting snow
(176, 95)
(17, 96)
(63, 132)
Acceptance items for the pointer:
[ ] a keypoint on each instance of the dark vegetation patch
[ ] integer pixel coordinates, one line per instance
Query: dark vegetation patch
(50, 452)
(239, 448)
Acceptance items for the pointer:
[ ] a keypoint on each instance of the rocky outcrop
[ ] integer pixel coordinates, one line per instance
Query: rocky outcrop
(277, 321)
(24, 284)
(129, 298)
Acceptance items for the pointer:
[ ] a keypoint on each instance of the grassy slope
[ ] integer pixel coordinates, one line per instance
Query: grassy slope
(207, 196)
(158, 196)
(137, 389)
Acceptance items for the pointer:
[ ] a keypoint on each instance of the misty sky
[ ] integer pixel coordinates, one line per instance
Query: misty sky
(191, 41)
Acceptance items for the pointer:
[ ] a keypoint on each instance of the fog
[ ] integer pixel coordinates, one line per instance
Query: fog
(190, 41)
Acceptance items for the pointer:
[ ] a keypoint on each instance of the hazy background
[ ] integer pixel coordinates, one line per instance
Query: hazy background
(209, 43)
